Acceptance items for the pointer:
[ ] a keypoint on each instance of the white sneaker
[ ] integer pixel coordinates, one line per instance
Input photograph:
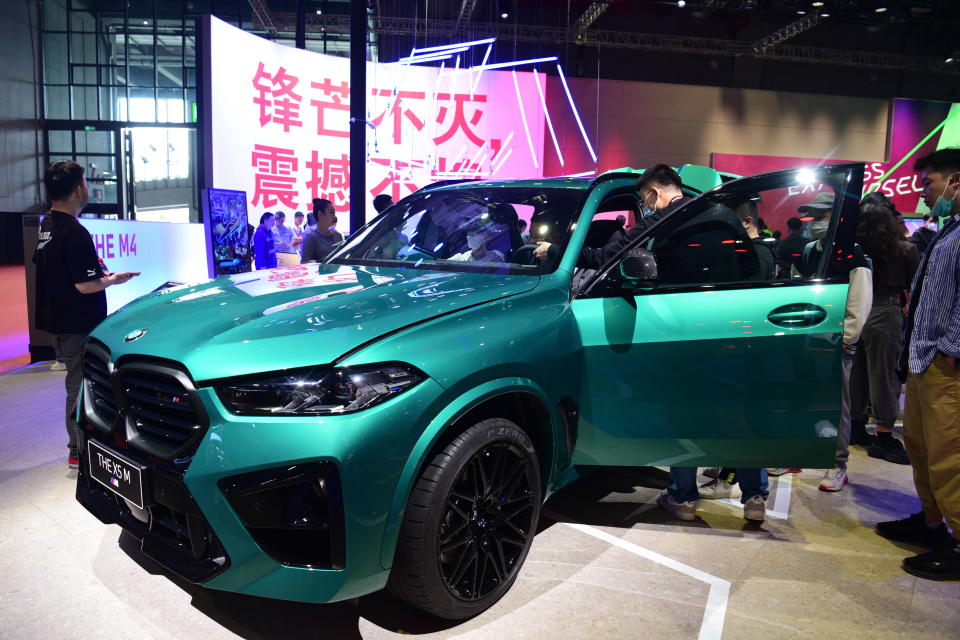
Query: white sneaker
(834, 480)
(779, 471)
(755, 509)
(718, 490)
(681, 510)
(712, 472)
(58, 366)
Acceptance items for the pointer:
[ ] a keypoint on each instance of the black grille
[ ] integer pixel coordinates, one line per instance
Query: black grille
(100, 402)
(163, 412)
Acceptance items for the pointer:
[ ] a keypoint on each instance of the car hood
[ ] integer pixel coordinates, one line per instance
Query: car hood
(291, 316)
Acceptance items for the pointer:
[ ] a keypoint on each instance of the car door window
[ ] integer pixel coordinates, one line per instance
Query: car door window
(727, 238)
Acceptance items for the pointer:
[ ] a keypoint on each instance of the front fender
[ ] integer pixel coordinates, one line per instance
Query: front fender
(453, 410)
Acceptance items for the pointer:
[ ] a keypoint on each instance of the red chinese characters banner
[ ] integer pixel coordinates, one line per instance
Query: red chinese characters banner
(281, 116)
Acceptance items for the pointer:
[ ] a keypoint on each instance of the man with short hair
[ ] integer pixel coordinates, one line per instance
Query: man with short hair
(299, 228)
(767, 259)
(70, 283)
(661, 192)
(931, 419)
(791, 248)
(924, 235)
(382, 201)
(320, 240)
(282, 234)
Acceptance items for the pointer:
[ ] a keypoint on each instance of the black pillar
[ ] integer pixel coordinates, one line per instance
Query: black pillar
(301, 24)
(358, 114)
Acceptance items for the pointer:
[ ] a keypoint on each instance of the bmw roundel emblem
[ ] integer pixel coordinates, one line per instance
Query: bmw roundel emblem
(135, 335)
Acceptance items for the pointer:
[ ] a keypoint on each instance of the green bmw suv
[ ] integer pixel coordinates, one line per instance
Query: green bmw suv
(396, 416)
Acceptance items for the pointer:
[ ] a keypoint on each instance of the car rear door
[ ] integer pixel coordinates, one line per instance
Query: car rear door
(720, 361)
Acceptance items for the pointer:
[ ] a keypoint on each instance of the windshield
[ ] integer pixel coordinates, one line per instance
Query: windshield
(484, 228)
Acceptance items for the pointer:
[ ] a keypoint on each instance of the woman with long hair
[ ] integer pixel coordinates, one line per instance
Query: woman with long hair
(874, 379)
(264, 249)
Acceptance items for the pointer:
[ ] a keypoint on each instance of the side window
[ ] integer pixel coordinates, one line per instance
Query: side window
(617, 213)
(754, 230)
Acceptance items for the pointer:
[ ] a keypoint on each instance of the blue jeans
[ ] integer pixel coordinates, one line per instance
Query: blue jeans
(683, 484)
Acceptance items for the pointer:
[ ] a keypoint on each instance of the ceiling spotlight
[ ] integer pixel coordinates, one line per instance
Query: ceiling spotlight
(816, 4)
(880, 9)
(504, 15)
(681, 3)
(802, 12)
(824, 15)
(949, 60)
(319, 12)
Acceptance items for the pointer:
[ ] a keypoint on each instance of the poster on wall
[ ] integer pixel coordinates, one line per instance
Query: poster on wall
(280, 124)
(230, 236)
(918, 127)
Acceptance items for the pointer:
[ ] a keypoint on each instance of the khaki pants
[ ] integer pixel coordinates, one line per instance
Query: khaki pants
(931, 430)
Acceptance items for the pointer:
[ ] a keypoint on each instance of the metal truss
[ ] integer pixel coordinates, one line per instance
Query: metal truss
(466, 11)
(590, 15)
(797, 27)
(262, 12)
(402, 26)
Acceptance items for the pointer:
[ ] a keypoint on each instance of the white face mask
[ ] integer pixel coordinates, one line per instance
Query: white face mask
(931, 225)
(474, 241)
(818, 229)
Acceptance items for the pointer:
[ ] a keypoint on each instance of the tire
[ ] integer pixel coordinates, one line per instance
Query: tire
(469, 522)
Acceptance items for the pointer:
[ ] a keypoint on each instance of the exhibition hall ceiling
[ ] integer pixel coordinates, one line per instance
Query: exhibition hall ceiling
(762, 44)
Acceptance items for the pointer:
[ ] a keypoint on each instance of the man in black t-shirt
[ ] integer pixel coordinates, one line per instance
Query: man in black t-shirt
(70, 284)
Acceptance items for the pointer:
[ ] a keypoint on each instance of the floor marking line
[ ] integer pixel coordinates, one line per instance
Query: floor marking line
(716, 609)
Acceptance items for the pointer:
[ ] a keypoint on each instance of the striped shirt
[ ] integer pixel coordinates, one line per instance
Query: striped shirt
(936, 319)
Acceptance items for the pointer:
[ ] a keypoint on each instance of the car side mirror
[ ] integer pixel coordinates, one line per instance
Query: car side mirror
(639, 270)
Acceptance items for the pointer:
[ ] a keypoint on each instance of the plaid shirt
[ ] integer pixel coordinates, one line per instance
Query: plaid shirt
(935, 318)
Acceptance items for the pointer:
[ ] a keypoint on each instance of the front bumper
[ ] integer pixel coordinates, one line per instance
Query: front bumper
(225, 536)
(171, 528)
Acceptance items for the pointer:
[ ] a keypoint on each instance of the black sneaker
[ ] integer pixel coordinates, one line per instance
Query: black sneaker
(859, 435)
(889, 449)
(940, 564)
(914, 530)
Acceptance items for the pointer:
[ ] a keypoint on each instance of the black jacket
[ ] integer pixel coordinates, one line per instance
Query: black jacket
(595, 257)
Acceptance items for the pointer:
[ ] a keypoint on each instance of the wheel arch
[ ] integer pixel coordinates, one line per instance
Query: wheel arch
(517, 399)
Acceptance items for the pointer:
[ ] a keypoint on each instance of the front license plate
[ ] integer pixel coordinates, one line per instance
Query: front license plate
(122, 476)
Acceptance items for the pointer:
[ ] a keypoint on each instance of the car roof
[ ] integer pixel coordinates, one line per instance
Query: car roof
(554, 183)
(698, 177)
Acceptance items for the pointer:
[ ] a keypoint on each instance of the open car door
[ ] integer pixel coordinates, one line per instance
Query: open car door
(701, 348)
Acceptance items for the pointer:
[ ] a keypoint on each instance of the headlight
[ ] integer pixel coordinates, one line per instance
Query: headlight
(318, 390)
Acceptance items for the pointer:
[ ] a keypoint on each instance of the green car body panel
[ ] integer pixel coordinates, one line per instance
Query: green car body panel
(657, 378)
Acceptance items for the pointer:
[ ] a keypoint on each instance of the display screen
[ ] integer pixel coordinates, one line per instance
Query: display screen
(230, 235)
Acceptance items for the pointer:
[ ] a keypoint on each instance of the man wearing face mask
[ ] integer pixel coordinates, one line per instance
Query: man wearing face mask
(816, 215)
(660, 192)
(477, 250)
(931, 419)
(924, 235)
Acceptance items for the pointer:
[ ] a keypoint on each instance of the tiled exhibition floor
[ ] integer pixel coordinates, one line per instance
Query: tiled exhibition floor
(608, 563)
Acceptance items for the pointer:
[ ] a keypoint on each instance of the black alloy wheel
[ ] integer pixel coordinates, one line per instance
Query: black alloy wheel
(469, 522)
(485, 527)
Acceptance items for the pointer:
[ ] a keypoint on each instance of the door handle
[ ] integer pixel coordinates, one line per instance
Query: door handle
(797, 315)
